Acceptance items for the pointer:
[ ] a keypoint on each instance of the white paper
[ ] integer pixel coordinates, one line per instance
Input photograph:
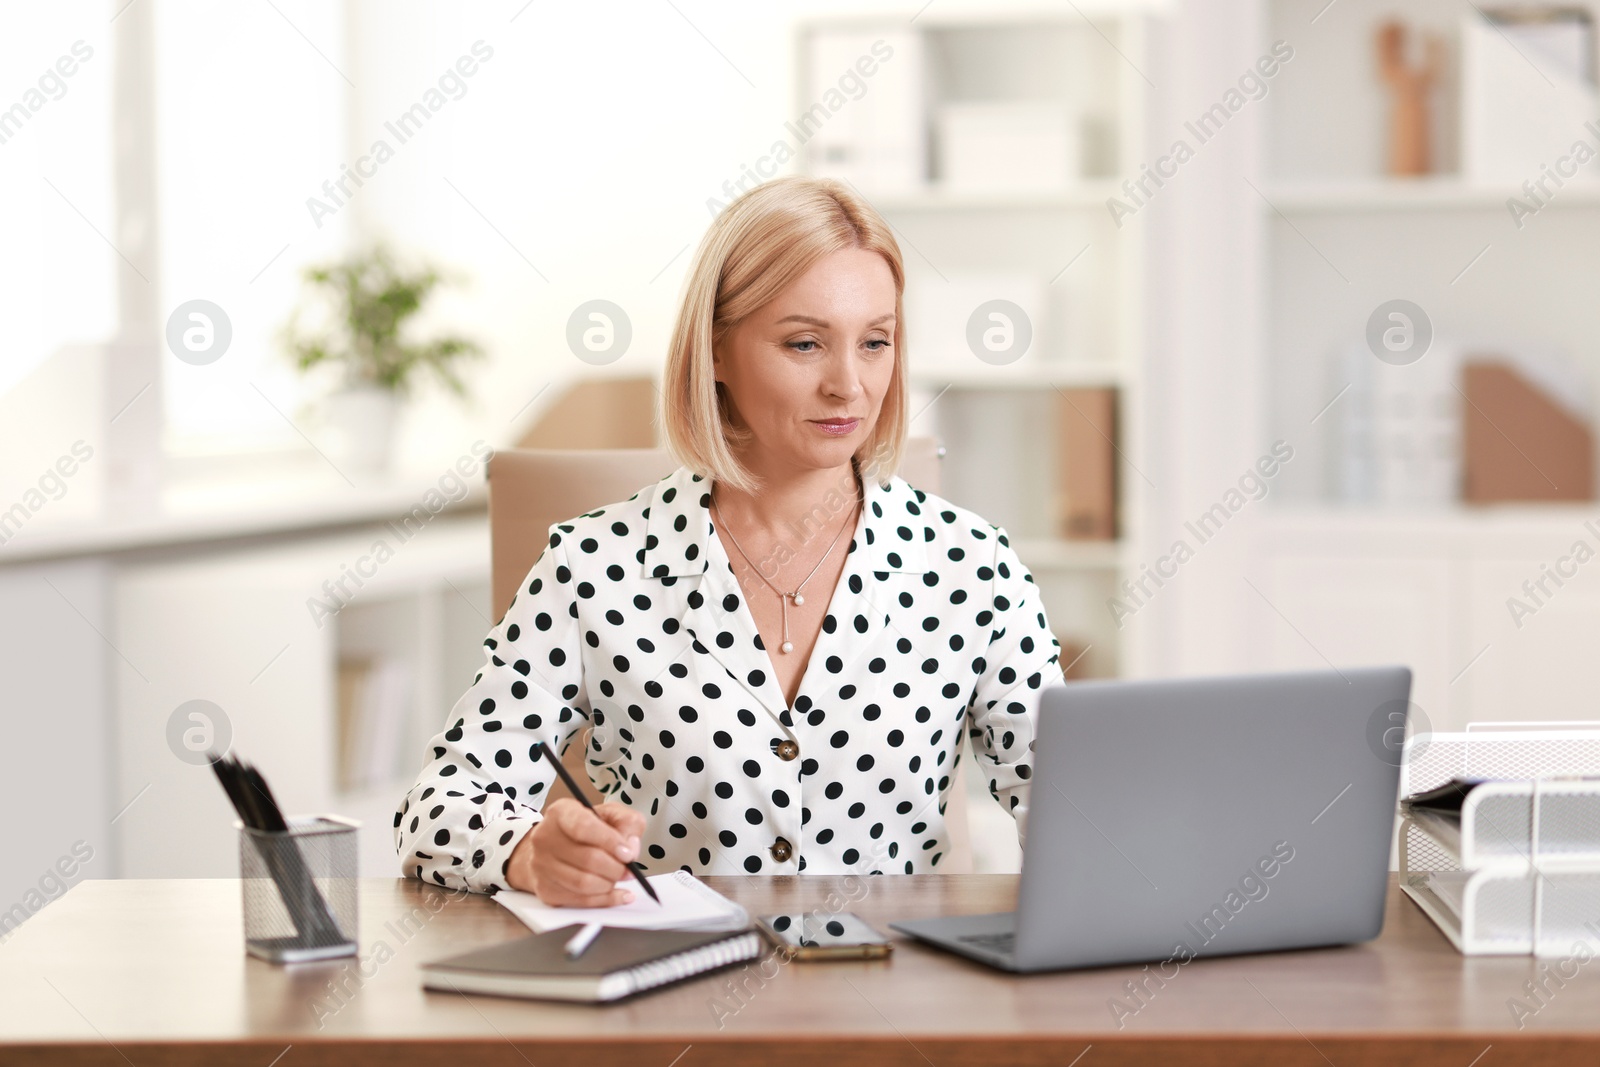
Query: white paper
(686, 904)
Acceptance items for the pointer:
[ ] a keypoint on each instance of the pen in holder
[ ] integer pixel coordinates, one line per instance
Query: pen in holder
(298, 889)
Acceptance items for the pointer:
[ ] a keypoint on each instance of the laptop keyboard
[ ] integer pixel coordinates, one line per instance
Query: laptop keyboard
(1002, 942)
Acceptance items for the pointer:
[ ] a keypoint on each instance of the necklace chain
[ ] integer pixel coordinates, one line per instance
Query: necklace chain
(783, 598)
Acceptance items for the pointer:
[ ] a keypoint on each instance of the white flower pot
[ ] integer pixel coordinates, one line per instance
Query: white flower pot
(362, 424)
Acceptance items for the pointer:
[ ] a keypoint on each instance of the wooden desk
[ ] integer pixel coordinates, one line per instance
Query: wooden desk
(153, 972)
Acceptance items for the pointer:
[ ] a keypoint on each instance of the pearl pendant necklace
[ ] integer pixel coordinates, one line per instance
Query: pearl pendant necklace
(795, 595)
(787, 646)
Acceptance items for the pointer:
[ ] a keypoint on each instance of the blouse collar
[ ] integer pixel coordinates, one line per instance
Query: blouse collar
(679, 526)
(891, 534)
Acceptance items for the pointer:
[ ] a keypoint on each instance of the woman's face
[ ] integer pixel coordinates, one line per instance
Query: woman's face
(806, 373)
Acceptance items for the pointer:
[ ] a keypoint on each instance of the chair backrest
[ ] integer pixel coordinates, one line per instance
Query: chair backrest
(531, 490)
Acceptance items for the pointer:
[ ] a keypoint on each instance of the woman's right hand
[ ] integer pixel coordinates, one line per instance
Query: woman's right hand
(574, 857)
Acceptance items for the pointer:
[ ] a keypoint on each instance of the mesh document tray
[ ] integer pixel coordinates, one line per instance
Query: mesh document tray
(1520, 873)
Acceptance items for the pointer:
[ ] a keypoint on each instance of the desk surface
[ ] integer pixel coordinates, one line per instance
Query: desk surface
(153, 972)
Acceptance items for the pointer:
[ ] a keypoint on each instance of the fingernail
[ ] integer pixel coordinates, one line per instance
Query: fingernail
(628, 849)
(627, 897)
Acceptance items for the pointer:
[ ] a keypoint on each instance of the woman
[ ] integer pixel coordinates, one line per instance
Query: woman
(779, 645)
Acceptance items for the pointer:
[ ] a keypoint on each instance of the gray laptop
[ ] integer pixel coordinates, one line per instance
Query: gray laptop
(1200, 817)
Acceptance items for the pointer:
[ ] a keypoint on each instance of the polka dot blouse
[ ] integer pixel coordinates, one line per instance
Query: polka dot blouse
(632, 621)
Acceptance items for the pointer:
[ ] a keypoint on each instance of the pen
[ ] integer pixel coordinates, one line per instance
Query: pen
(258, 810)
(582, 940)
(545, 753)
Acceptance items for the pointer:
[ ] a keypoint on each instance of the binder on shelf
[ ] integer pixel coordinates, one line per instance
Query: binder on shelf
(1527, 82)
(1086, 433)
(864, 116)
(940, 315)
(375, 701)
(1398, 427)
(1073, 659)
(1009, 146)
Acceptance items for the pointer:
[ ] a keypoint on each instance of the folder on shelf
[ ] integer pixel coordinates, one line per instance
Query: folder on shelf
(1072, 658)
(1086, 432)
(1521, 441)
(375, 701)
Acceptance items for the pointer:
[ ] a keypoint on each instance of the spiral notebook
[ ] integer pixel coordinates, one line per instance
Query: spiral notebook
(687, 903)
(617, 964)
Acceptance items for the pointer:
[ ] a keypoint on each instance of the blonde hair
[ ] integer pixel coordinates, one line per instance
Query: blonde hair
(761, 243)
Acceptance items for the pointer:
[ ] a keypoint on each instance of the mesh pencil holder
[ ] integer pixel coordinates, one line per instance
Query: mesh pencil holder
(298, 889)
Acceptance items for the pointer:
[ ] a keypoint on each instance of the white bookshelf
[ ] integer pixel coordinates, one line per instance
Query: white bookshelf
(1028, 376)
(1415, 195)
(1348, 584)
(1088, 195)
(1058, 554)
(998, 418)
(1341, 236)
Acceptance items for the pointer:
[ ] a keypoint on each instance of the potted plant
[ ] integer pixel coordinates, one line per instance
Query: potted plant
(365, 302)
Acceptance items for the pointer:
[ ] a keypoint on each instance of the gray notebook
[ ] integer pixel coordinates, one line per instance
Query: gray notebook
(618, 963)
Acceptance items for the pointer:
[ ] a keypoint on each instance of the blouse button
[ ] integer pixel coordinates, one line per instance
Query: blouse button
(787, 749)
(781, 849)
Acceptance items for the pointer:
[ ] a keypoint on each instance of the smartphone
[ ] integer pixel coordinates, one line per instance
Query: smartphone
(845, 936)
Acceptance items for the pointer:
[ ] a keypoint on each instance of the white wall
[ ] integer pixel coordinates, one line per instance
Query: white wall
(1203, 417)
(577, 166)
(57, 273)
(57, 791)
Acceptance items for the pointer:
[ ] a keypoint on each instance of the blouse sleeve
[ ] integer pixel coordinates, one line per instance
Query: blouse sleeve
(1019, 662)
(481, 790)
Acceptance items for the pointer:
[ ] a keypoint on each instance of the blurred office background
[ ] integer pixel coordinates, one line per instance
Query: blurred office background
(1266, 327)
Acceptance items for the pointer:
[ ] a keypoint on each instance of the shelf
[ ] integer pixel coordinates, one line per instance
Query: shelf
(1088, 195)
(1421, 194)
(1088, 333)
(190, 519)
(1024, 375)
(1520, 537)
(1061, 555)
(1004, 12)
(1334, 515)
